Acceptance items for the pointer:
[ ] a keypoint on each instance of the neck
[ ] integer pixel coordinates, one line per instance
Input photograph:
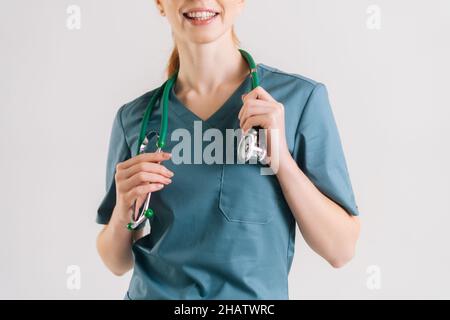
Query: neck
(205, 67)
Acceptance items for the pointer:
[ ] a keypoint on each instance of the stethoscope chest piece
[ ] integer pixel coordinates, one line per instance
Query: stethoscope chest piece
(248, 148)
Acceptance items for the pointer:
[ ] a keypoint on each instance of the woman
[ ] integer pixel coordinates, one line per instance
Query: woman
(224, 231)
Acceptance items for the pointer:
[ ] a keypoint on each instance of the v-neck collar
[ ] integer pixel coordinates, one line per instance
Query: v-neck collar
(217, 118)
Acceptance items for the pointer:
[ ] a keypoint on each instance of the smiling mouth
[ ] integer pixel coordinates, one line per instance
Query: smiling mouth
(200, 15)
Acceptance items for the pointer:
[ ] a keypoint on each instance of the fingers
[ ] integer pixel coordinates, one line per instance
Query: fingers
(254, 107)
(143, 190)
(143, 177)
(254, 121)
(259, 93)
(144, 157)
(142, 174)
(146, 167)
(260, 109)
(257, 97)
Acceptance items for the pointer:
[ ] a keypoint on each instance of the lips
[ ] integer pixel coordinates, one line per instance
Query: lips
(200, 14)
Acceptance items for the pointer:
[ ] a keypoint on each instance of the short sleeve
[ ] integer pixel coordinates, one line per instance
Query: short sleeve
(118, 151)
(318, 151)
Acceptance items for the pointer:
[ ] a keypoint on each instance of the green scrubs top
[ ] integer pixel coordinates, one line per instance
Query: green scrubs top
(224, 231)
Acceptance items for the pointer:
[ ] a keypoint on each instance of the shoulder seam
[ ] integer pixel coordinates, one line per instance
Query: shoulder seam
(270, 69)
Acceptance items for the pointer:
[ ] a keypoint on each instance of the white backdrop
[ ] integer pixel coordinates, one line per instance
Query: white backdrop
(385, 64)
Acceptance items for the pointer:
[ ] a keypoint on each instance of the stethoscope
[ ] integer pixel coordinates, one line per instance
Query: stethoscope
(248, 147)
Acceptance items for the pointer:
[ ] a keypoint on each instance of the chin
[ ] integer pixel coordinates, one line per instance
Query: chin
(203, 39)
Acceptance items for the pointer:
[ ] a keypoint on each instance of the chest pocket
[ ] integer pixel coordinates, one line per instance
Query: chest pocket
(247, 196)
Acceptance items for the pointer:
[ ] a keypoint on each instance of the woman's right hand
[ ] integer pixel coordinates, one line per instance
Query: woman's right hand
(138, 176)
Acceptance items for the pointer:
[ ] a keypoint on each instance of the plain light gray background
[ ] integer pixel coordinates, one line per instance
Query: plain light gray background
(60, 88)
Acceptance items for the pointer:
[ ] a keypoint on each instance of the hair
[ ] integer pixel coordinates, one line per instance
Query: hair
(174, 61)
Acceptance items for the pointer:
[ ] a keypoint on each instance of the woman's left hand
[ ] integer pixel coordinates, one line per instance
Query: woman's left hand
(261, 109)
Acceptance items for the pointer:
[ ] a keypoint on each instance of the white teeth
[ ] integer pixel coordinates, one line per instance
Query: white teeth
(201, 15)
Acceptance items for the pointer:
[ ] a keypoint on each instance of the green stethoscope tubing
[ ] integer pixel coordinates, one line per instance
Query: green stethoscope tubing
(161, 142)
(165, 89)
